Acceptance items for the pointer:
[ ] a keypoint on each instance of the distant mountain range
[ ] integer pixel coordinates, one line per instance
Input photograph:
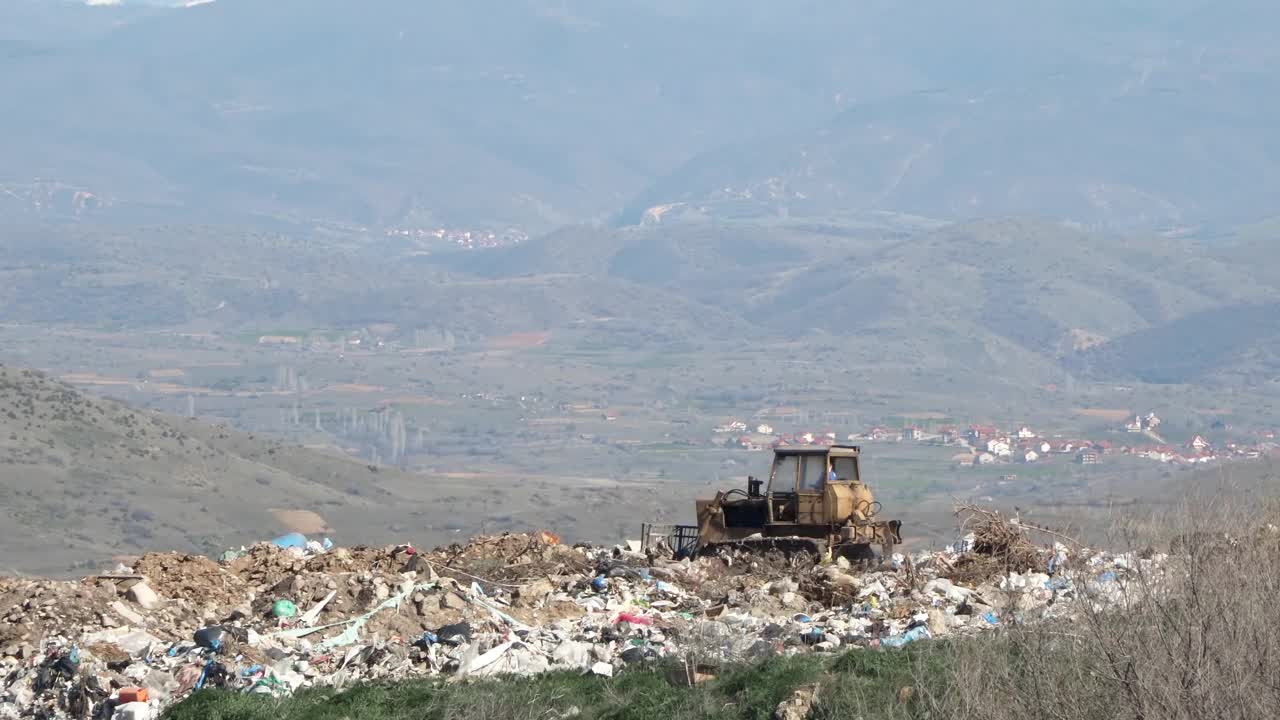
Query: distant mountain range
(541, 113)
(1021, 301)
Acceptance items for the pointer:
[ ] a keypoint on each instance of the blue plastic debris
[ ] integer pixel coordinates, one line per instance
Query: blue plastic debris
(1107, 576)
(291, 540)
(919, 632)
(991, 618)
(600, 583)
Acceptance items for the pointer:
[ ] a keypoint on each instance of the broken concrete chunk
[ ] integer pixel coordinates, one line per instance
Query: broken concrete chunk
(573, 654)
(132, 711)
(142, 594)
(126, 614)
(450, 601)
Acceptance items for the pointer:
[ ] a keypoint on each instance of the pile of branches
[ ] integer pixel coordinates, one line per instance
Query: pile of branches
(999, 545)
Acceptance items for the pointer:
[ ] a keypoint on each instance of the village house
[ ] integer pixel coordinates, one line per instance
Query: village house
(1087, 456)
(1134, 425)
(999, 447)
(1025, 433)
(948, 435)
(985, 458)
(1030, 456)
(980, 433)
(877, 434)
(1199, 457)
(1160, 454)
(763, 429)
(1198, 443)
(911, 432)
(279, 340)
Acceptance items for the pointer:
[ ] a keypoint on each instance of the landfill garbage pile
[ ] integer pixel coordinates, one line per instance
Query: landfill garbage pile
(293, 612)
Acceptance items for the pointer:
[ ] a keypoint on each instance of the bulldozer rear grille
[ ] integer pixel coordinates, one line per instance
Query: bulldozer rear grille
(682, 539)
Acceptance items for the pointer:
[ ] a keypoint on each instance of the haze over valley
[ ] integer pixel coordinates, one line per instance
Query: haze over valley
(392, 270)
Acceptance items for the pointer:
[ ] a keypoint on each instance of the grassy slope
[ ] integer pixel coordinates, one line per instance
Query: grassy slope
(860, 682)
(82, 478)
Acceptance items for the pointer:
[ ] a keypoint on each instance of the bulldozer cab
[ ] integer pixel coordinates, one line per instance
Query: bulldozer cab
(798, 506)
(798, 480)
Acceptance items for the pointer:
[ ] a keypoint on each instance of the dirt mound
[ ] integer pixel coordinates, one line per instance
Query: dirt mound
(511, 558)
(360, 559)
(264, 565)
(194, 578)
(34, 608)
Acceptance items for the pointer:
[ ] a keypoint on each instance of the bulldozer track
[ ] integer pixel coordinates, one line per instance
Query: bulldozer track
(786, 546)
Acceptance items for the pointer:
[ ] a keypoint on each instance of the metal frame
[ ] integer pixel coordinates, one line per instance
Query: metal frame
(682, 539)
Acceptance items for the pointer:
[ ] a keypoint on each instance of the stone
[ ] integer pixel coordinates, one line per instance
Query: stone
(132, 711)
(798, 706)
(142, 594)
(572, 654)
(126, 614)
(535, 592)
(937, 622)
(842, 579)
(450, 601)
(783, 586)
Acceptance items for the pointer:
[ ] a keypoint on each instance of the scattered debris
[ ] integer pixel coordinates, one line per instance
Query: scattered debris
(293, 613)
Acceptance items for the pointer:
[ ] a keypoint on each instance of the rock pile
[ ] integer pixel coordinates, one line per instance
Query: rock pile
(271, 619)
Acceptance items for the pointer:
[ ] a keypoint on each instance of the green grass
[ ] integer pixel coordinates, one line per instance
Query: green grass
(857, 683)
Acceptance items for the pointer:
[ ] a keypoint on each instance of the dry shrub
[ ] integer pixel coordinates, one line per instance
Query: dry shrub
(1195, 636)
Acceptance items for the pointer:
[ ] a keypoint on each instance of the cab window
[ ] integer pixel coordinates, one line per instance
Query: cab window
(783, 479)
(815, 473)
(846, 468)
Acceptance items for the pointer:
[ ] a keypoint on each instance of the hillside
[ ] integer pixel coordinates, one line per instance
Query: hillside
(1012, 297)
(83, 479)
(537, 114)
(1240, 341)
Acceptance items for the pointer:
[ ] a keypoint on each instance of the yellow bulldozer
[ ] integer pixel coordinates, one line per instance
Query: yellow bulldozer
(814, 502)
